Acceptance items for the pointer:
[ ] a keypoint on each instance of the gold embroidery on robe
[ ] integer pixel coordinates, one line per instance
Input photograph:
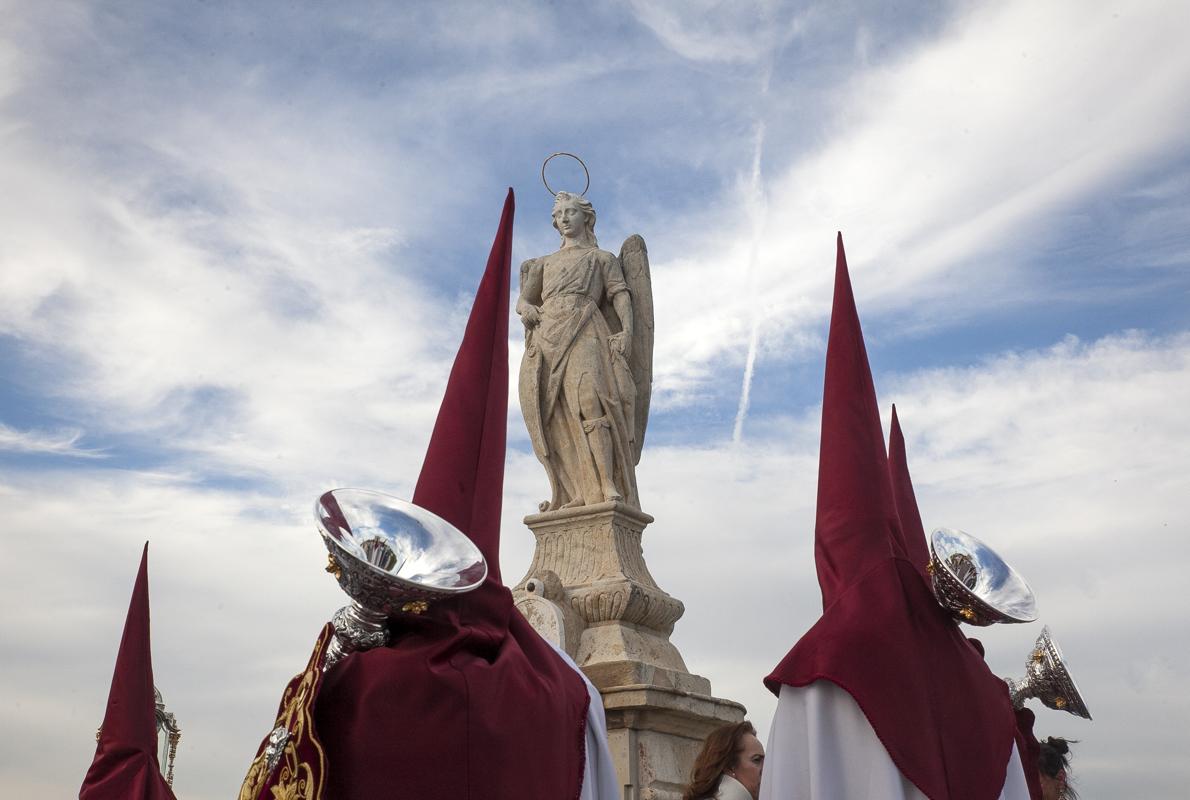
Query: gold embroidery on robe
(300, 772)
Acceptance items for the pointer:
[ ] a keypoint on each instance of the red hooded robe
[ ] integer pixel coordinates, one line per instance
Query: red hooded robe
(125, 765)
(944, 718)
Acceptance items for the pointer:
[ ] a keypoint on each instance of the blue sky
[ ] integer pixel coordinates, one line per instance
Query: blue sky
(238, 248)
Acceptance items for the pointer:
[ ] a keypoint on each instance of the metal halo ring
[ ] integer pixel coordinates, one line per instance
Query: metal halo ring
(552, 156)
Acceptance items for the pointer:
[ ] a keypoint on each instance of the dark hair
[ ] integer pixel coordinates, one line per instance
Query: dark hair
(1054, 758)
(717, 756)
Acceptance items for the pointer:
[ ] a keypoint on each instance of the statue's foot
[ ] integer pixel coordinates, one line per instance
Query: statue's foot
(575, 503)
(611, 494)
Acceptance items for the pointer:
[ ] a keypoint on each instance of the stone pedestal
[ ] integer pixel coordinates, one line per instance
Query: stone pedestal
(589, 591)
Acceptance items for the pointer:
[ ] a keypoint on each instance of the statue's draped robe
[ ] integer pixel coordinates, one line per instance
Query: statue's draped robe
(570, 351)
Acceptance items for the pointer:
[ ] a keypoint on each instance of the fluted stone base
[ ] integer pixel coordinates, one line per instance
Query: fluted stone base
(589, 591)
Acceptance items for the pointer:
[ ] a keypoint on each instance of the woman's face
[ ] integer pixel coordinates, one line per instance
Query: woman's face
(1051, 788)
(748, 764)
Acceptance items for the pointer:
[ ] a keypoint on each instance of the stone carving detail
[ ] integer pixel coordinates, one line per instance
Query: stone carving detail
(587, 373)
(589, 563)
(542, 601)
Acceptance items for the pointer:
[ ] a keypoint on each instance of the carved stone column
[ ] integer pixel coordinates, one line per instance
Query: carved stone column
(589, 590)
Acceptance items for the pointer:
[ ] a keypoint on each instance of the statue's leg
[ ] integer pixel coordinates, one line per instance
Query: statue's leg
(599, 436)
(570, 449)
(571, 494)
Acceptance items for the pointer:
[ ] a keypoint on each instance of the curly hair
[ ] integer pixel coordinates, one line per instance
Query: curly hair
(718, 755)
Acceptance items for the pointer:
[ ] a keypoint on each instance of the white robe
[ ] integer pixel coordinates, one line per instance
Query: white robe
(731, 789)
(822, 747)
(600, 781)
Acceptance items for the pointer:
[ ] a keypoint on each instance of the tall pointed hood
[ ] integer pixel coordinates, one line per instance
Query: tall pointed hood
(462, 477)
(125, 765)
(912, 531)
(459, 685)
(856, 525)
(945, 720)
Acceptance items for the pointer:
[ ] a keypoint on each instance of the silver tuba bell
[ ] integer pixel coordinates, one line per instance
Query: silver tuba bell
(972, 582)
(167, 724)
(168, 736)
(391, 558)
(1048, 679)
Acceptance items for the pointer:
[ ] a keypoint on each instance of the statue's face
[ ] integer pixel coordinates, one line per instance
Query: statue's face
(570, 219)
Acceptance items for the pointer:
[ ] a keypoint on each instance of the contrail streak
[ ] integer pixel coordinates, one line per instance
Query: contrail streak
(757, 211)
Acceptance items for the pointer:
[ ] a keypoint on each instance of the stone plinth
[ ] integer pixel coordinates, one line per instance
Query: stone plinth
(589, 591)
(655, 734)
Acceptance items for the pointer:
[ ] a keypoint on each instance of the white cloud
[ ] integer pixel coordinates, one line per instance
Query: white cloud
(942, 168)
(63, 443)
(714, 31)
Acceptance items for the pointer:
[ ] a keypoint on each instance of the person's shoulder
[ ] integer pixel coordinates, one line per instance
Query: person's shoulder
(604, 257)
(731, 789)
(531, 263)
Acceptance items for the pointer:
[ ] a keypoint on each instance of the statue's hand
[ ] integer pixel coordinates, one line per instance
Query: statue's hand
(531, 316)
(620, 343)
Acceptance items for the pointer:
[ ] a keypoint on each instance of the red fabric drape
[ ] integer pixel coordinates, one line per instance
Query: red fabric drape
(1030, 750)
(467, 701)
(125, 765)
(913, 534)
(945, 720)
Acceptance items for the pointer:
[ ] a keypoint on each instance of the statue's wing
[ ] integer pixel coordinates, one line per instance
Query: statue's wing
(634, 258)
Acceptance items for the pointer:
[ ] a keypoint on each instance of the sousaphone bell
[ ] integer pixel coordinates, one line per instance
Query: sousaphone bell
(169, 733)
(974, 584)
(391, 557)
(1048, 679)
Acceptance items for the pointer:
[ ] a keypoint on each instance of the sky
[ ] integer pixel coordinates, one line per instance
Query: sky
(238, 245)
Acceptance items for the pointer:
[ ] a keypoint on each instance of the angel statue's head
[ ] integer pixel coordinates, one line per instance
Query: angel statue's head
(574, 218)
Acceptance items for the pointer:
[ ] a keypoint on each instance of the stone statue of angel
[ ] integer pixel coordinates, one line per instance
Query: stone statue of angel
(587, 373)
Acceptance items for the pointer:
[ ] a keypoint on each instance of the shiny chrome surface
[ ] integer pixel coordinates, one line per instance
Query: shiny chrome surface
(1047, 677)
(167, 724)
(278, 738)
(977, 586)
(390, 551)
(356, 628)
(391, 557)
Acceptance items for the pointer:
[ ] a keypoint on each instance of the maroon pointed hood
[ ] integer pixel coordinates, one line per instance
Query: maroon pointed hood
(944, 718)
(457, 686)
(125, 765)
(912, 532)
(462, 477)
(856, 525)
